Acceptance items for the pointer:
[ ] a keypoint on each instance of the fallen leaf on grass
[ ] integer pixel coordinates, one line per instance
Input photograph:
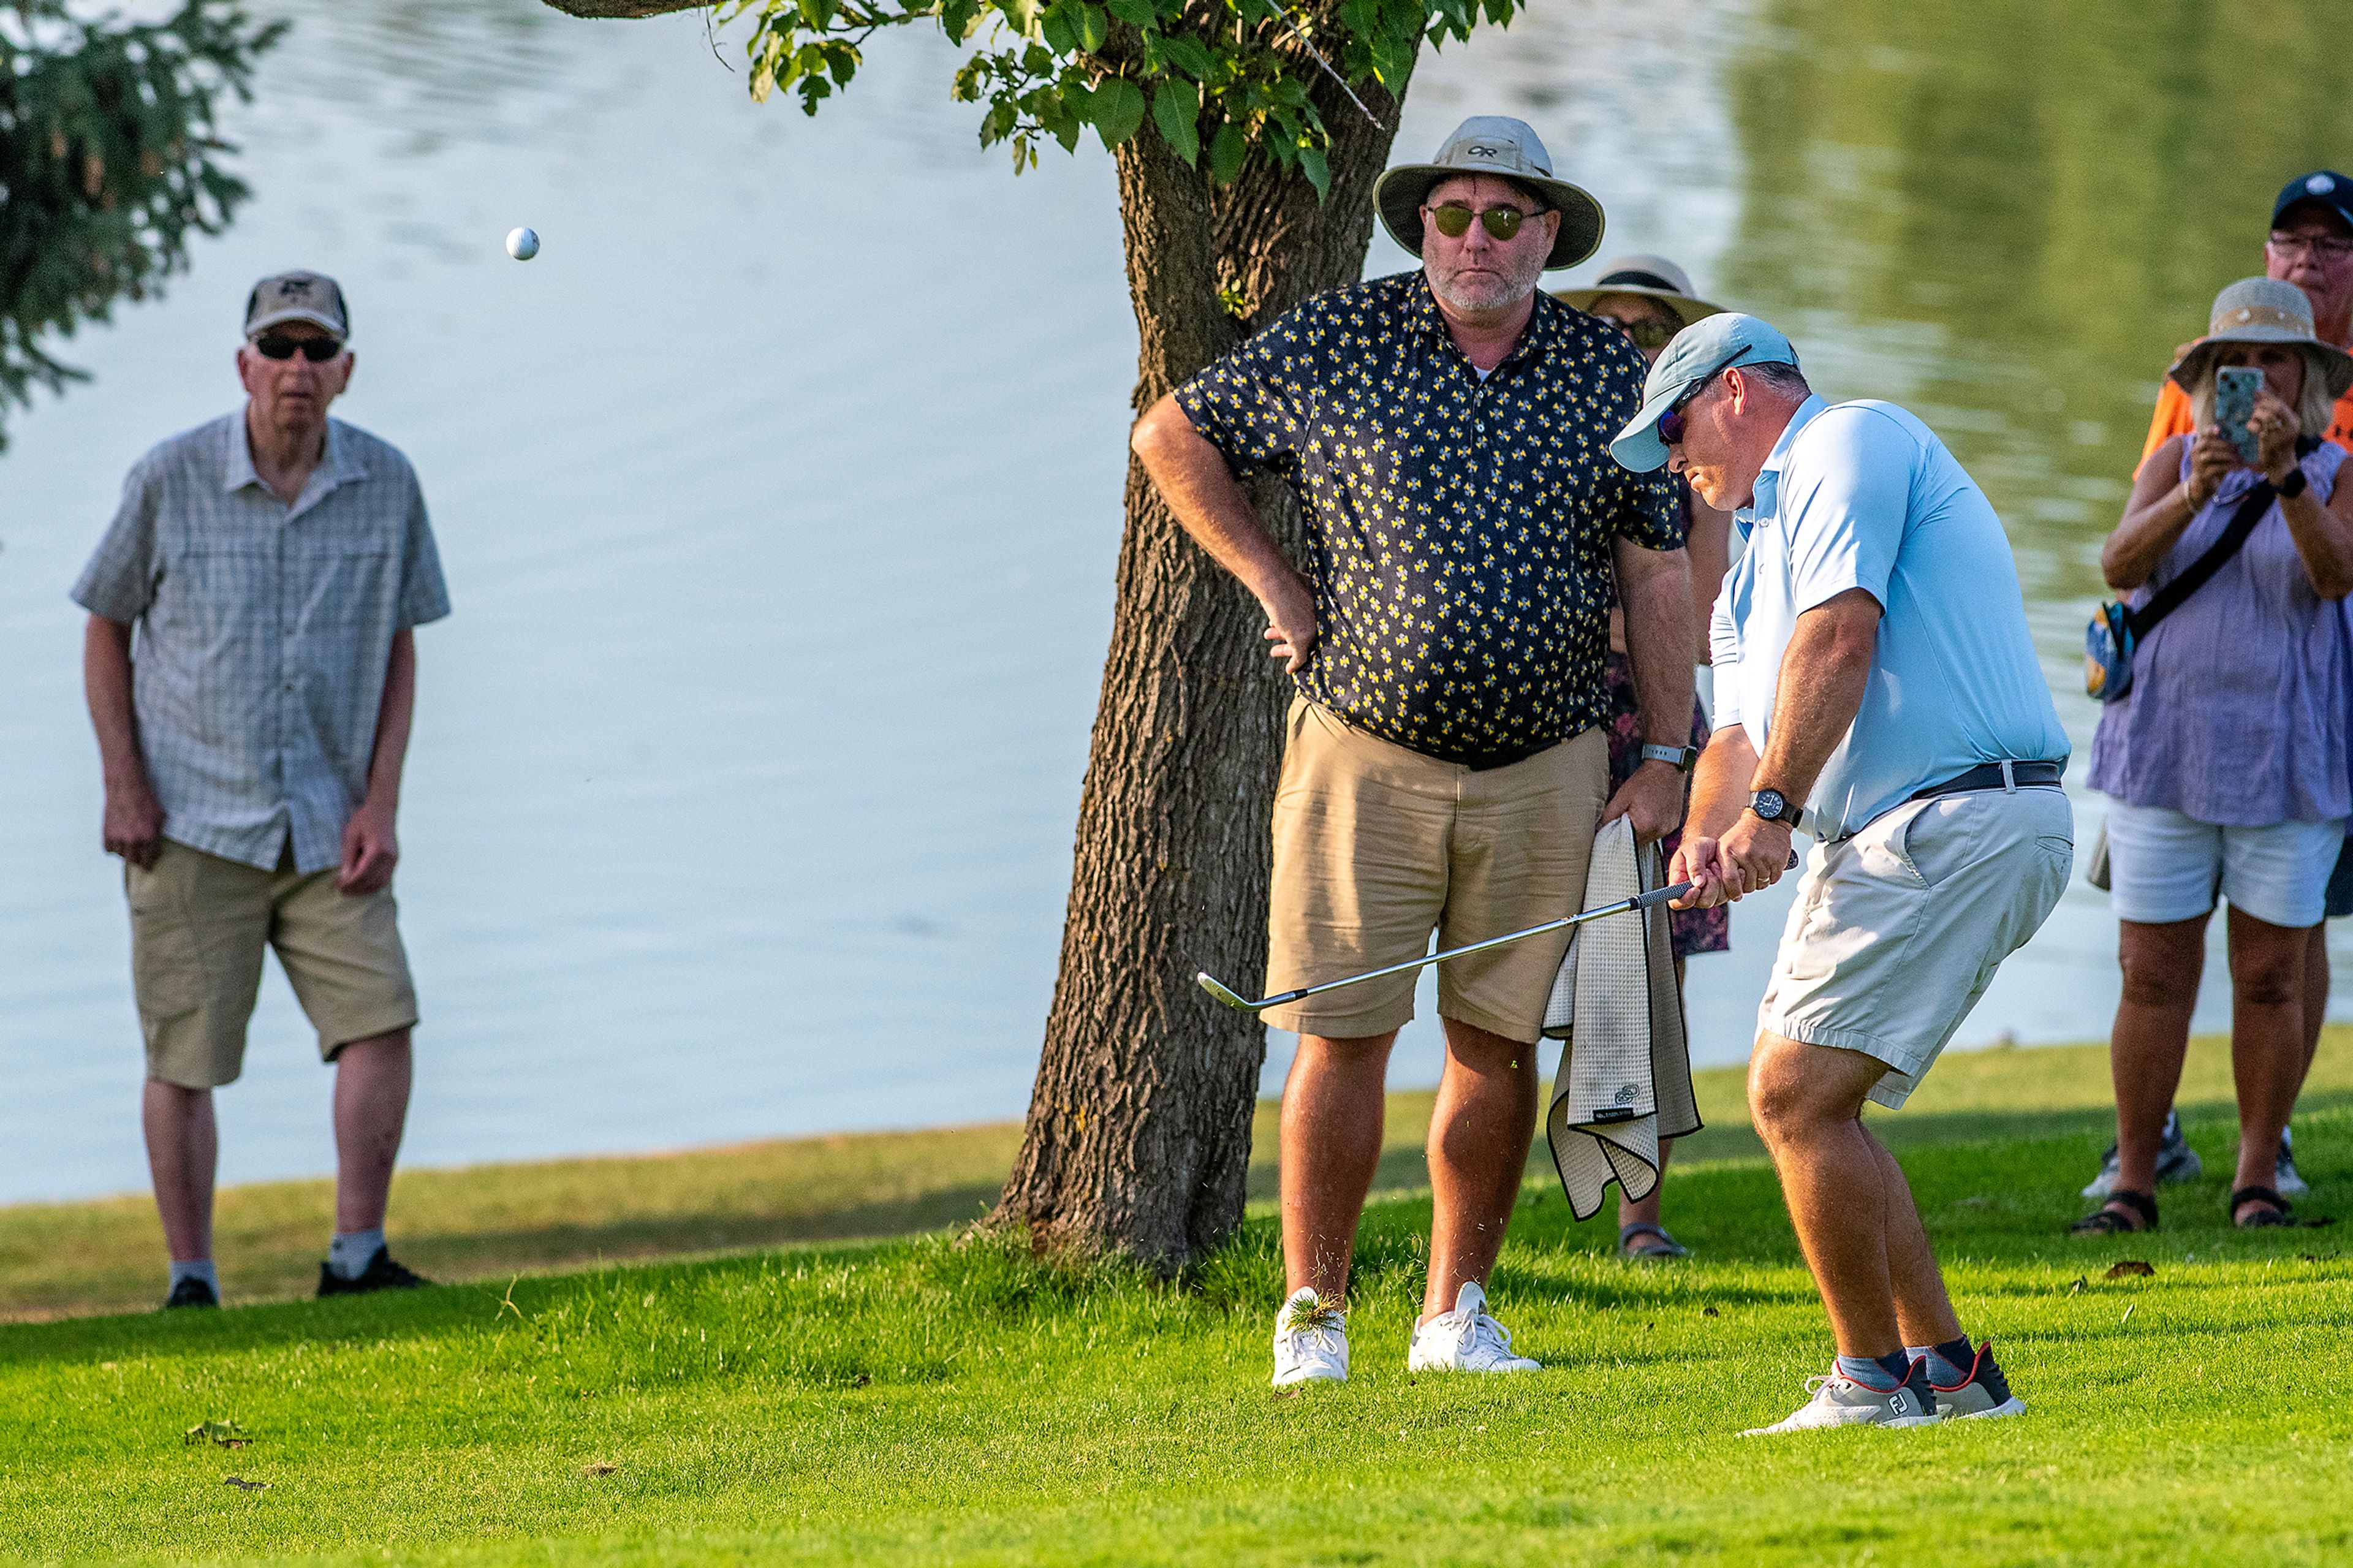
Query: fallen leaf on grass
(601, 1468)
(1286, 1394)
(2129, 1267)
(241, 1484)
(225, 1434)
(1711, 1312)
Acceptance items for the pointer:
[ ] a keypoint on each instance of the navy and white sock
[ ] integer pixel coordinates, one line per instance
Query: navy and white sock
(1949, 1363)
(196, 1269)
(1885, 1374)
(349, 1253)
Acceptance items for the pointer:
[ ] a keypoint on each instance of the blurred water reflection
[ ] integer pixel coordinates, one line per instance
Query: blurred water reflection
(779, 499)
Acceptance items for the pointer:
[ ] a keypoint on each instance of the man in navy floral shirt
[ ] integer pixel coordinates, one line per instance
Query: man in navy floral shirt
(1445, 767)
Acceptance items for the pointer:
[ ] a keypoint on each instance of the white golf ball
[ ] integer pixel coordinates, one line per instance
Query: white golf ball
(523, 245)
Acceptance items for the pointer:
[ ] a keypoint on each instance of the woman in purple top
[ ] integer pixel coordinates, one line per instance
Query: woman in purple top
(2226, 761)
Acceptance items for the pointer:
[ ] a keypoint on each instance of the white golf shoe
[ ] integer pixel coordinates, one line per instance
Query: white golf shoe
(1311, 1341)
(1840, 1401)
(1466, 1339)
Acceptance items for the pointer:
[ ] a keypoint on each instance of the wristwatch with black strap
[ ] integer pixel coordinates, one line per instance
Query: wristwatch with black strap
(1774, 806)
(1682, 759)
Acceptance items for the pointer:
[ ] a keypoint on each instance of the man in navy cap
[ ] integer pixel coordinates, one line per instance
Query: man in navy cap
(1875, 680)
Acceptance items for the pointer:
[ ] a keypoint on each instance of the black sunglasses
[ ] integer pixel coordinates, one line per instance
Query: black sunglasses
(1647, 334)
(318, 351)
(1671, 424)
(1453, 220)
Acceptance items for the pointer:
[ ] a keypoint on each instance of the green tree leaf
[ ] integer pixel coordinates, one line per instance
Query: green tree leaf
(1094, 27)
(1176, 111)
(1060, 26)
(1118, 109)
(1318, 172)
(1191, 54)
(1134, 13)
(1228, 150)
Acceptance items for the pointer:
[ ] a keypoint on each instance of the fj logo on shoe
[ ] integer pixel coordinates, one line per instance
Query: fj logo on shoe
(1899, 1402)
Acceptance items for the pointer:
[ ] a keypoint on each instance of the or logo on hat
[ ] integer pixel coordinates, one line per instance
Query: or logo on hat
(2320, 185)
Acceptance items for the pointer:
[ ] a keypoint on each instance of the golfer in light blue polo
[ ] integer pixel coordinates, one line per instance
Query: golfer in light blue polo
(1874, 678)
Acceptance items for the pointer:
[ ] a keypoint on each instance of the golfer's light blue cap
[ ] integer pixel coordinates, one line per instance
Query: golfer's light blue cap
(1699, 351)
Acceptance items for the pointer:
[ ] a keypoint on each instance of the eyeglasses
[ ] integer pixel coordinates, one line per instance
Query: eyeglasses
(1453, 220)
(318, 351)
(2323, 247)
(1672, 425)
(1647, 334)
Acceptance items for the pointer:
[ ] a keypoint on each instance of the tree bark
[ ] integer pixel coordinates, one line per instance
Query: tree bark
(1139, 1127)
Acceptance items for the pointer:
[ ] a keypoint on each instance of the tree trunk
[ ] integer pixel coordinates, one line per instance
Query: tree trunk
(1139, 1127)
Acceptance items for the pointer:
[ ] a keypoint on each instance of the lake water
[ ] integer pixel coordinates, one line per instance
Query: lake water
(779, 500)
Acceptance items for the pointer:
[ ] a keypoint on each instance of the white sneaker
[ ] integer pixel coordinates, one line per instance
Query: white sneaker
(1840, 1401)
(1465, 1339)
(2284, 1180)
(1311, 1341)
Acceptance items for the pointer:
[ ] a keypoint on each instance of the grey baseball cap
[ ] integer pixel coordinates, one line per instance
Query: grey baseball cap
(312, 296)
(1706, 346)
(1492, 145)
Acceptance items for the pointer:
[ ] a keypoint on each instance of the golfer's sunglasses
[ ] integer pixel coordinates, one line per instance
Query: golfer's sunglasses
(1453, 220)
(1671, 424)
(318, 351)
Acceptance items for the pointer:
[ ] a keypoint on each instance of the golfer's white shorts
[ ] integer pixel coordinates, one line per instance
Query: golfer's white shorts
(1897, 930)
(2163, 867)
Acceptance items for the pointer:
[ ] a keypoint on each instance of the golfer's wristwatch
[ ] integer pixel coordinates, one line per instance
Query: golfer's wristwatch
(1774, 806)
(1680, 758)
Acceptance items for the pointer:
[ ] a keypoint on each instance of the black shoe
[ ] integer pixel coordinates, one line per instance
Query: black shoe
(191, 1291)
(381, 1274)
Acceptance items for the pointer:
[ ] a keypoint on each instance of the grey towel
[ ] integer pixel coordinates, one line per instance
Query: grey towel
(1625, 1073)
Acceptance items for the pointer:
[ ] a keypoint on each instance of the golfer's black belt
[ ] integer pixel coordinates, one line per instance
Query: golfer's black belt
(1987, 775)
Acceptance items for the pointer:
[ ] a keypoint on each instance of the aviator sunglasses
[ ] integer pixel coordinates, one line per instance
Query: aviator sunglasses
(1453, 220)
(318, 351)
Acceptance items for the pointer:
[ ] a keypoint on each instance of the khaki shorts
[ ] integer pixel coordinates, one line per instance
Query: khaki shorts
(198, 926)
(1375, 846)
(1897, 930)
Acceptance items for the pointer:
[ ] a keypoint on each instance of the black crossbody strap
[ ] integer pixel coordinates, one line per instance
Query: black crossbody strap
(2169, 598)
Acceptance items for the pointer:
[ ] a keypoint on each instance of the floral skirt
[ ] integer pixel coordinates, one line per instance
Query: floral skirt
(1691, 930)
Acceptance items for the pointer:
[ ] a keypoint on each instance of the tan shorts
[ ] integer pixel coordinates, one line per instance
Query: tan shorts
(1897, 930)
(1376, 845)
(198, 926)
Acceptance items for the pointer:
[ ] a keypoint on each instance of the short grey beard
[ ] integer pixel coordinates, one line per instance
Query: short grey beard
(1521, 289)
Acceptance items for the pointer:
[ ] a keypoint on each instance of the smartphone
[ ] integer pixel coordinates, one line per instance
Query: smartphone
(2234, 404)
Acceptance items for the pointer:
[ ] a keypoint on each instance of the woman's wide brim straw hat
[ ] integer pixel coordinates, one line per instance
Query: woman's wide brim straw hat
(1507, 148)
(1651, 277)
(2263, 310)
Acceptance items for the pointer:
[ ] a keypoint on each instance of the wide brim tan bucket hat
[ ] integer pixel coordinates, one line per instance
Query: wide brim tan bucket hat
(2263, 310)
(1652, 278)
(1492, 145)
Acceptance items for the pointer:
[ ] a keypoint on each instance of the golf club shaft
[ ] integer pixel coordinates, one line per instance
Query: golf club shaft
(1624, 906)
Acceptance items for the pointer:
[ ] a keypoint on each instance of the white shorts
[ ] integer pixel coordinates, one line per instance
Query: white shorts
(1897, 930)
(2165, 867)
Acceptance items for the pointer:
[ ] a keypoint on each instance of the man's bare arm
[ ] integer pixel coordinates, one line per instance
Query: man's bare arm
(370, 845)
(1209, 504)
(1655, 587)
(133, 825)
(1820, 690)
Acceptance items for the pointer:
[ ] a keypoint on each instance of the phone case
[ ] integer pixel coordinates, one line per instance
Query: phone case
(2234, 403)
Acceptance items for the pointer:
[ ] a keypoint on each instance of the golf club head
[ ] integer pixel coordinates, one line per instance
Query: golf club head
(1218, 988)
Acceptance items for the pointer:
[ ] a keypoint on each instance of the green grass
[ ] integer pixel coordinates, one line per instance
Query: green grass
(923, 1400)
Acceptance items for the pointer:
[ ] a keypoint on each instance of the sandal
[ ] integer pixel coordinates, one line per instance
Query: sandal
(1668, 1246)
(2126, 1213)
(2273, 1211)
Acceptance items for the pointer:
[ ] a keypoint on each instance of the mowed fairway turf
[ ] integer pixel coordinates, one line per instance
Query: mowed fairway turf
(935, 1400)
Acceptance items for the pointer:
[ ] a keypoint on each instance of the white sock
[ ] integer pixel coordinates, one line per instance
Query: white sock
(195, 1269)
(349, 1253)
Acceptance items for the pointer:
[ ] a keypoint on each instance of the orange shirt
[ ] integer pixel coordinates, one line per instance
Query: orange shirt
(2172, 418)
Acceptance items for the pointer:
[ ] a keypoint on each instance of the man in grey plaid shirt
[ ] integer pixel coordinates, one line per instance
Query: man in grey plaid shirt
(273, 565)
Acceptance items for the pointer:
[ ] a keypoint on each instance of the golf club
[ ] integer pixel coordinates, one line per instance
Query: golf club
(1232, 998)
